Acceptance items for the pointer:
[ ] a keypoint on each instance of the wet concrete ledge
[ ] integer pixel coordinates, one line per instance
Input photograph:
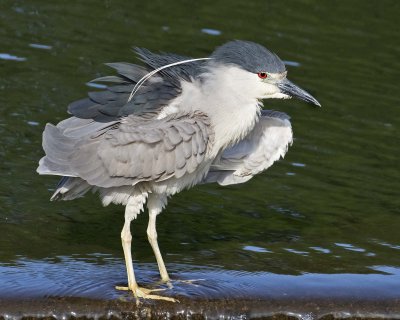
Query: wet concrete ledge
(83, 308)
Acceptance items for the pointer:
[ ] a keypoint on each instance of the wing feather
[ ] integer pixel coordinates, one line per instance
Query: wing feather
(112, 103)
(265, 144)
(139, 148)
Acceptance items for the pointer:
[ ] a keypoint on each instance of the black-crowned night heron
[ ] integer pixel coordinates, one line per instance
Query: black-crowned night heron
(168, 126)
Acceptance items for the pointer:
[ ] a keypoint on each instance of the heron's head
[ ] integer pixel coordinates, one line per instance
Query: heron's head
(250, 66)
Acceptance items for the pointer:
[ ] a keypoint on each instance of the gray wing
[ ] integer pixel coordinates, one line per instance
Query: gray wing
(112, 103)
(265, 144)
(138, 148)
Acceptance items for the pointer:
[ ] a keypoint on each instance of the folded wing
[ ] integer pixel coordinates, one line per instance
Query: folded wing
(135, 149)
(265, 144)
(112, 103)
(157, 92)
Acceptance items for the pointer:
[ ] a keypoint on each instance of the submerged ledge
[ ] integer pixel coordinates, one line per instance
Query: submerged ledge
(79, 289)
(83, 308)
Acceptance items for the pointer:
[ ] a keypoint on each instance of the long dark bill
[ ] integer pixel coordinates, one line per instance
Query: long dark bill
(289, 88)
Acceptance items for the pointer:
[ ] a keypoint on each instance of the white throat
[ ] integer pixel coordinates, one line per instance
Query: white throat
(227, 95)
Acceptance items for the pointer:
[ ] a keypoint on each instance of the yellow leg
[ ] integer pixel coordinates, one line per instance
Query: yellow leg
(126, 238)
(155, 205)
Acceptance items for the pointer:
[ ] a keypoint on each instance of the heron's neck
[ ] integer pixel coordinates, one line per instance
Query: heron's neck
(227, 100)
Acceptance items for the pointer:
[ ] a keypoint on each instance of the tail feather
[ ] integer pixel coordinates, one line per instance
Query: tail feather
(70, 188)
(59, 143)
(57, 148)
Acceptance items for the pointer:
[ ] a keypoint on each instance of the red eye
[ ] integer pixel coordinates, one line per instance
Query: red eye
(262, 75)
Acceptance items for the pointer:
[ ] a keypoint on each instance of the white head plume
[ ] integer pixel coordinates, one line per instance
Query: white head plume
(150, 74)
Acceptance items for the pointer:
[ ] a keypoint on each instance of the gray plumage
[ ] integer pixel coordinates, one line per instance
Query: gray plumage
(250, 56)
(192, 123)
(135, 149)
(172, 74)
(265, 144)
(111, 104)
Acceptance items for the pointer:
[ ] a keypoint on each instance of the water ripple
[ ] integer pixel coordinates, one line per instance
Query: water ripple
(40, 46)
(255, 249)
(78, 278)
(350, 247)
(7, 56)
(212, 32)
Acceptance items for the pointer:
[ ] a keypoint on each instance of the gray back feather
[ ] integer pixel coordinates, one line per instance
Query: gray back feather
(112, 103)
(184, 71)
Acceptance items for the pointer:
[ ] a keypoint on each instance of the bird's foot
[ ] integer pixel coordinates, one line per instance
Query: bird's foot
(144, 293)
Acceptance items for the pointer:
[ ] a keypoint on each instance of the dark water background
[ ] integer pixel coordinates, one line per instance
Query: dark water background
(323, 221)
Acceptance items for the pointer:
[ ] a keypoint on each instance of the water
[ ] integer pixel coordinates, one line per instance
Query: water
(323, 222)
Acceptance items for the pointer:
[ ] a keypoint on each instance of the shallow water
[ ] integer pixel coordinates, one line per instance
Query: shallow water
(95, 276)
(324, 221)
